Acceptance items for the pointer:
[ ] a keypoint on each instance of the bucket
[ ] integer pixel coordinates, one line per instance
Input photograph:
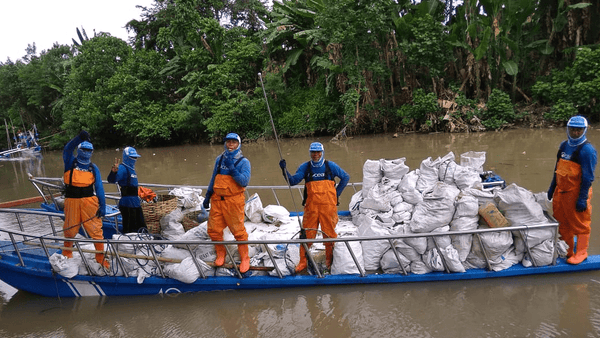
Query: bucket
(492, 216)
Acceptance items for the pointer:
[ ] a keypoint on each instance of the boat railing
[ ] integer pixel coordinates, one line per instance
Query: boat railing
(49, 188)
(22, 238)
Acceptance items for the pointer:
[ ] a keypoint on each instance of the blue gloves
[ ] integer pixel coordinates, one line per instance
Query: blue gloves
(581, 205)
(282, 164)
(84, 136)
(101, 212)
(206, 202)
(228, 162)
(550, 193)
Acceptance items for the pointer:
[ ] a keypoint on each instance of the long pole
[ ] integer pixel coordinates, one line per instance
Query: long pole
(7, 135)
(302, 230)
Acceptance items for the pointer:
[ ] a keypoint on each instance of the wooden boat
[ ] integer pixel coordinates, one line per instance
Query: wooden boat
(27, 249)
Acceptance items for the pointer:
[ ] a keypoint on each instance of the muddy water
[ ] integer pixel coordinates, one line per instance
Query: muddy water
(538, 306)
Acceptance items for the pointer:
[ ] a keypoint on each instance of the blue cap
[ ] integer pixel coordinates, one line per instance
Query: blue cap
(85, 145)
(130, 151)
(316, 146)
(232, 136)
(577, 122)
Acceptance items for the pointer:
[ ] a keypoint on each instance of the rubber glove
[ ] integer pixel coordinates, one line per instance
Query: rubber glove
(206, 202)
(228, 162)
(282, 164)
(581, 205)
(84, 135)
(101, 212)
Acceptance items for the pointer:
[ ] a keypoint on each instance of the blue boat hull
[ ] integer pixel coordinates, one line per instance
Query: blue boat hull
(37, 277)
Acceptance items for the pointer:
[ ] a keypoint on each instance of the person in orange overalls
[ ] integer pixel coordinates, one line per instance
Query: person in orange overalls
(571, 189)
(320, 199)
(225, 193)
(82, 206)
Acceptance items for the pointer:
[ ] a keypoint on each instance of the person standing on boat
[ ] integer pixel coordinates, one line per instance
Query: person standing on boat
(82, 206)
(321, 197)
(225, 193)
(130, 204)
(571, 188)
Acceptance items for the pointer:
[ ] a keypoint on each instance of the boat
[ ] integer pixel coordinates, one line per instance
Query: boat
(30, 259)
(26, 146)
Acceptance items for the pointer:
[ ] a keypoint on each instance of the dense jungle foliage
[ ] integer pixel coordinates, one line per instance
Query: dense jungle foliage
(196, 69)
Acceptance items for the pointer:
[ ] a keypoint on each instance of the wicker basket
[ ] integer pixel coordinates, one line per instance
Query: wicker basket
(153, 212)
(153, 227)
(190, 220)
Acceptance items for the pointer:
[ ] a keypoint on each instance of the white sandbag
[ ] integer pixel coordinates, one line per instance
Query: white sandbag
(408, 251)
(483, 196)
(433, 261)
(66, 267)
(442, 241)
(543, 201)
(495, 243)
(185, 272)
(188, 198)
(343, 264)
(506, 260)
(519, 206)
(417, 243)
(354, 206)
(171, 225)
(466, 177)
(275, 214)
(171, 252)
(409, 181)
(419, 268)
(437, 208)
(462, 243)
(394, 169)
(254, 209)
(532, 238)
(372, 250)
(389, 263)
(372, 175)
(428, 173)
(452, 259)
(543, 254)
(447, 168)
(401, 217)
(473, 159)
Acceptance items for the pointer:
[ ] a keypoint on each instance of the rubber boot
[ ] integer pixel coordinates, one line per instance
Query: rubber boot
(581, 254)
(328, 256)
(221, 251)
(302, 264)
(570, 243)
(68, 253)
(100, 258)
(243, 251)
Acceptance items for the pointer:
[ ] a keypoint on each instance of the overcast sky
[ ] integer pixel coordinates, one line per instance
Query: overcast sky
(45, 22)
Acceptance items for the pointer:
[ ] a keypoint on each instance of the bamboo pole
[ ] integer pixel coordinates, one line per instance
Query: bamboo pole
(128, 255)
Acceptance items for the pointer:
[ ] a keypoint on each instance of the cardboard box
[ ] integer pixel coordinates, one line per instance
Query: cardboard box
(492, 216)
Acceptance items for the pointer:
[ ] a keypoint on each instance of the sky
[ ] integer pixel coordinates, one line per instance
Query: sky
(45, 22)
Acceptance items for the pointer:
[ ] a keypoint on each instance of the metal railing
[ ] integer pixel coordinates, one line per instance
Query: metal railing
(51, 239)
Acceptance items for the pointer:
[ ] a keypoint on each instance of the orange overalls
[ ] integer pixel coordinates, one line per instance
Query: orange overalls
(227, 210)
(571, 222)
(80, 208)
(321, 208)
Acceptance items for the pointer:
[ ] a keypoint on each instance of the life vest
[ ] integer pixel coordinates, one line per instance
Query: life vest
(79, 183)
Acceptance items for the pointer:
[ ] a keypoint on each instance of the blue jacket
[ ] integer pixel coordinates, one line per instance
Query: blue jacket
(126, 177)
(318, 174)
(69, 159)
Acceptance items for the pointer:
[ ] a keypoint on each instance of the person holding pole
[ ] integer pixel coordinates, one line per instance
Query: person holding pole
(83, 206)
(571, 188)
(321, 197)
(225, 193)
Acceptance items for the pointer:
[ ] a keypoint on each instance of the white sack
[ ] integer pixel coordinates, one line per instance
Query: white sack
(343, 264)
(254, 209)
(436, 210)
(473, 159)
(428, 173)
(372, 175)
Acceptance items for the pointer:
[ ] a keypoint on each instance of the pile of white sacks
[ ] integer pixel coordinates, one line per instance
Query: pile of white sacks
(440, 196)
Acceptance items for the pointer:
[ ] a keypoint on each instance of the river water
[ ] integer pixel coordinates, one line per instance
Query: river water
(534, 306)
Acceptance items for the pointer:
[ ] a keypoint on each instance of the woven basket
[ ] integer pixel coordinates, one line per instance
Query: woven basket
(190, 220)
(153, 212)
(153, 227)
